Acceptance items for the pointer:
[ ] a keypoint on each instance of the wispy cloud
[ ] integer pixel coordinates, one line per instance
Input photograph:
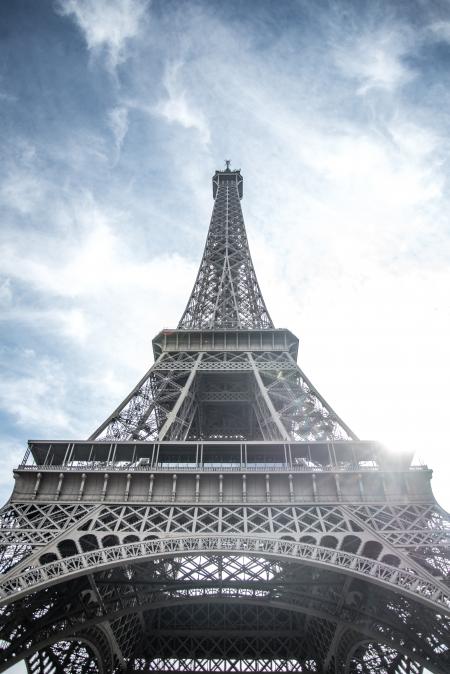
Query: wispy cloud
(118, 123)
(33, 390)
(377, 61)
(71, 302)
(178, 107)
(107, 25)
(440, 30)
(22, 190)
(5, 293)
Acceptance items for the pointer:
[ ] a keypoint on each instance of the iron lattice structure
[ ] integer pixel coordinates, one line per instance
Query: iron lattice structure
(223, 518)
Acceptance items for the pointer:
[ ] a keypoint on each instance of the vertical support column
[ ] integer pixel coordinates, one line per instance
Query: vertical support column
(197, 488)
(127, 486)
(291, 487)
(338, 487)
(58, 488)
(81, 490)
(244, 488)
(152, 459)
(220, 488)
(150, 487)
(105, 486)
(268, 494)
(36, 485)
(174, 487)
(314, 486)
(290, 456)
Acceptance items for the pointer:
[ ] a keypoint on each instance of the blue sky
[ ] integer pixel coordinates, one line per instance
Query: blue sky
(113, 116)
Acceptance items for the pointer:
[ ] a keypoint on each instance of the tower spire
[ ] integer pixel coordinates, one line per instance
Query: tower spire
(226, 293)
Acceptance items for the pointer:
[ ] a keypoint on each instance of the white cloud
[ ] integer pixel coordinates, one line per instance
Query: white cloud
(118, 123)
(100, 299)
(178, 107)
(68, 323)
(100, 263)
(23, 190)
(440, 30)
(34, 390)
(107, 24)
(5, 293)
(376, 60)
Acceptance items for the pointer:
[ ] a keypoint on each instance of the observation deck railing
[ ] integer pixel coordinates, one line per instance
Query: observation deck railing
(212, 468)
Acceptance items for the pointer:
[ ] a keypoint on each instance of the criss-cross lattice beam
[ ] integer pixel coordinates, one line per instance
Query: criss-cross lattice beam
(226, 293)
(168, 402)
(289, 587)
(161, 399)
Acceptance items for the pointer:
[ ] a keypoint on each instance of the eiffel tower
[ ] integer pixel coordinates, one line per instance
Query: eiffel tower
(223, 518)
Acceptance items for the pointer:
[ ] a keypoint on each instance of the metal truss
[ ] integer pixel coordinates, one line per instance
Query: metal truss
(160, 578)
(238, 596)
(418, 521)
(226, 293)
(412, 536)
(379, 658)
(161, 397)
(77, 656)
(93, 527)
(170, 401)
(25, 527)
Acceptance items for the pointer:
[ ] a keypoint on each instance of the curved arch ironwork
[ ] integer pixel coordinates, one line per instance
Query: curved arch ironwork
(421, 589)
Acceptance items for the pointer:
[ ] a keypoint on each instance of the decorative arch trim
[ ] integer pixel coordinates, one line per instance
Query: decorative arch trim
(31, 580)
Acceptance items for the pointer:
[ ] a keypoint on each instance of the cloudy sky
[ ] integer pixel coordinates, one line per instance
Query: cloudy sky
(114, 115)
